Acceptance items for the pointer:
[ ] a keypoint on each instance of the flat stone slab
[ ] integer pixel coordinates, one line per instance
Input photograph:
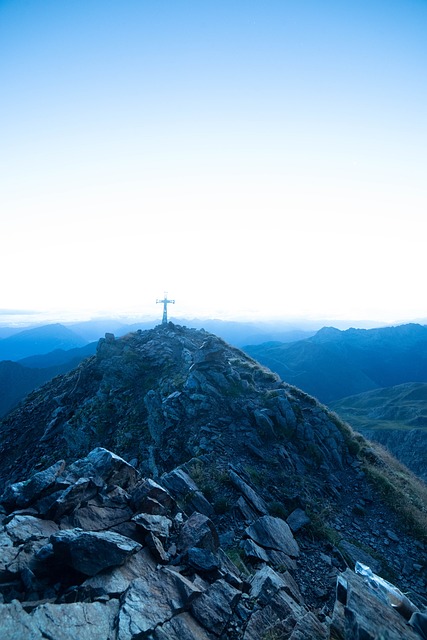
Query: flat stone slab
(273, 533)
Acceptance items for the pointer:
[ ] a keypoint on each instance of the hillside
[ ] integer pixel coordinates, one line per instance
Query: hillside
(334, 364)
(396, 417)
(237, 505)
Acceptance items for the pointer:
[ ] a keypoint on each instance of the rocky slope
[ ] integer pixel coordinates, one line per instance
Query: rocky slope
(242, 505)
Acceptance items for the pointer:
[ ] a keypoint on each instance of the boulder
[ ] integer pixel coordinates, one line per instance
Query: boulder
(22, 494)
(157, 525)
(185, 490)
(214, 608)
(150, 497)
(77, 621)
(101, 463)
(250, 494)
(273, 533)
(89, 551)
(361, 613)
(24, 528)
(198, 531)
(180, 627)
(153, 600)
(116, 580)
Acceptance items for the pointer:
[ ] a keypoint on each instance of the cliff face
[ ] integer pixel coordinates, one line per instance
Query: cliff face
(238, 504)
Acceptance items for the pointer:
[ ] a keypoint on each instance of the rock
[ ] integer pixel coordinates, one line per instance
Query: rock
(90, 552)
(77, 621)
(253, 551)
(359, 614)
(96, 517)
(22, 529)
(273, 533)
(297, 520)
(17, 624)
(202, 560)
(150, 497)
(184, 489)
(22, 494)
(250, 494)
(265, 583)
(114, 581)
(101, 463)
(198, 531)
(180, 627)
(80, 491)
(153, 600)
(157, 525)
(214, 607)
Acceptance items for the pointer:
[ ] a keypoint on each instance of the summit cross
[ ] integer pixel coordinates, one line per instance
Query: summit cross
(165, 302)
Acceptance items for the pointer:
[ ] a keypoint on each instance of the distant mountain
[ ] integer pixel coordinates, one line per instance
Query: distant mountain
(241, 333)
(59, 357)
(334, 364)
(17, 379)
(396, 417)
(39, 340)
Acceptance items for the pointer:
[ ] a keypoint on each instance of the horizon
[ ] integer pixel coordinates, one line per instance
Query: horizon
(253, 160)
(26, 319)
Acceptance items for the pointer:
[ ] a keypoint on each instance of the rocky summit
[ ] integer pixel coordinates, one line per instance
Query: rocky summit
(171, 487)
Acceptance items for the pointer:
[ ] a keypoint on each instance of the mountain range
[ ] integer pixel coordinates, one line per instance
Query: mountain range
(172, 487)
(334, 364)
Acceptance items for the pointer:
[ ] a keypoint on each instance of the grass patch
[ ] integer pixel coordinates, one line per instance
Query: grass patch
(400, 489)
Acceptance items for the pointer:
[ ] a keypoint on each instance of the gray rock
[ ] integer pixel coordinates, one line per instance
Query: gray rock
(184, 489)
(273, 533)
(180, 627)
(153, 600)
(265, 583)
(23, 528)
(22, 494)
(96, 517)
(77, 621)
(101, 463)
(17, 624)
(157, 525)
(148, 495)
(198, 531)
(80, 491)
(250, 494)
(215, 606)
(114, 581)
(253, 551)
(89, 551)
(360, 614)
(356, 554)
(202, 560)
(297, 520)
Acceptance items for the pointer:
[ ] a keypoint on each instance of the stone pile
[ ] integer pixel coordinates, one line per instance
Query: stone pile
(93, 551)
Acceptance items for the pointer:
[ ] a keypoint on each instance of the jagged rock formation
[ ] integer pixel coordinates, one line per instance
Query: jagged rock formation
(242, 502)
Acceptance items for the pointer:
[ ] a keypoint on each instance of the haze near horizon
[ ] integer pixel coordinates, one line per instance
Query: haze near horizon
(254, 160)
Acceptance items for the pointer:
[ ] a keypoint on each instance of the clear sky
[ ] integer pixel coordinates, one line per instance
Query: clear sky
(250, 157)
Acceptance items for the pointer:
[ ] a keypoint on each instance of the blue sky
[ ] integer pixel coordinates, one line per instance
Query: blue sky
(251, 158)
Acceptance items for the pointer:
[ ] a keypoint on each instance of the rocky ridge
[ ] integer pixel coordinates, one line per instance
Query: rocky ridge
(243, 503)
